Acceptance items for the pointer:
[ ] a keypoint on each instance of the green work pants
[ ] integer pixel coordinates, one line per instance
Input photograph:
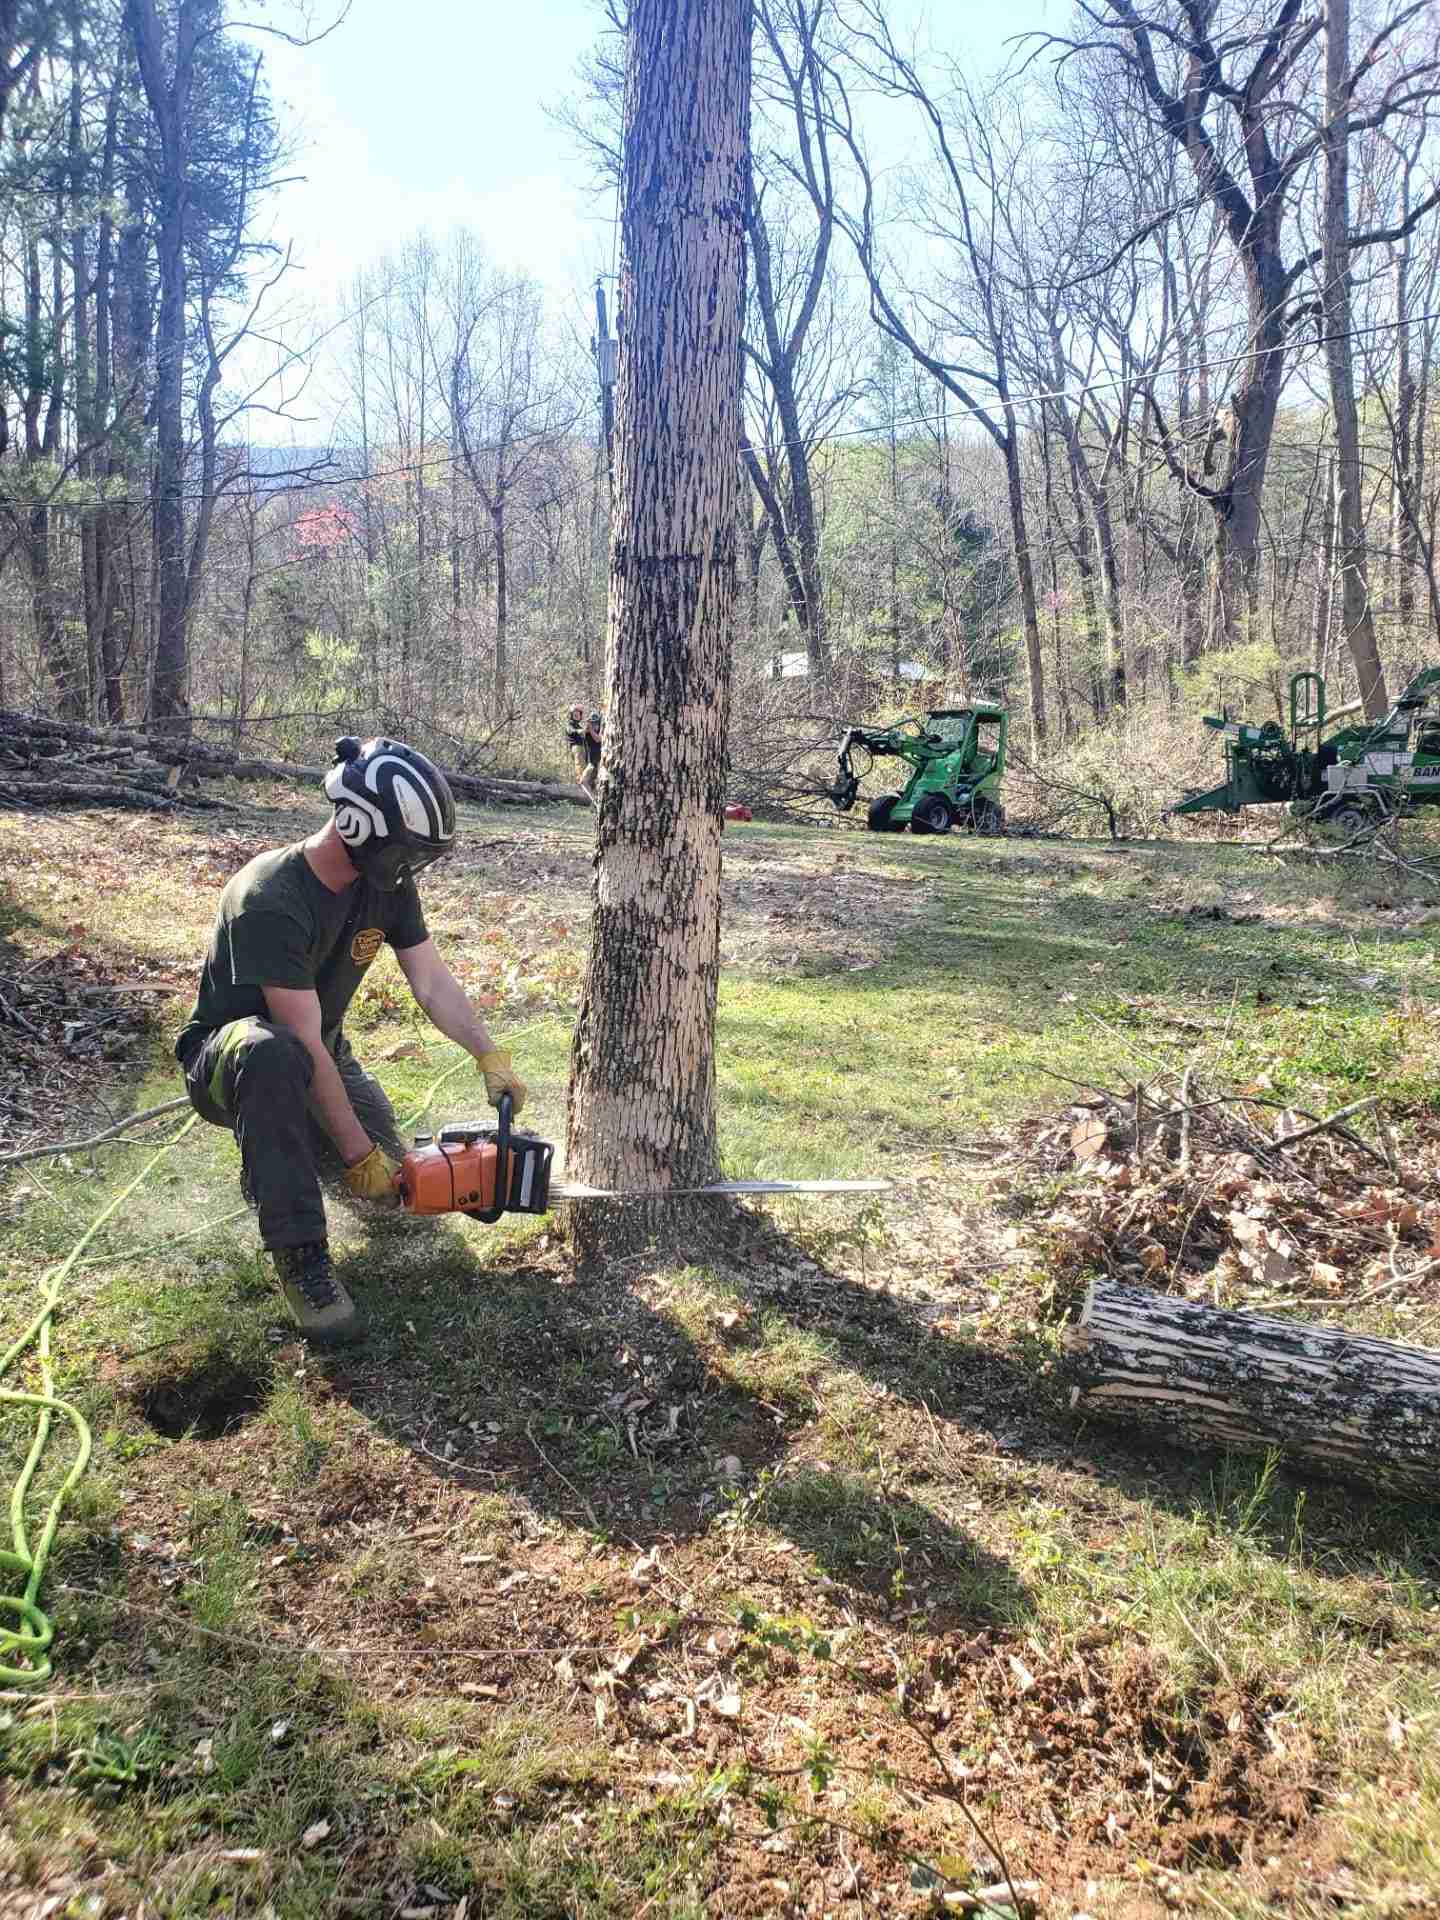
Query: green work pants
(254, 1077)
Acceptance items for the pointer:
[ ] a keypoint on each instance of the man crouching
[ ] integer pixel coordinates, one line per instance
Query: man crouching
(264, 1051)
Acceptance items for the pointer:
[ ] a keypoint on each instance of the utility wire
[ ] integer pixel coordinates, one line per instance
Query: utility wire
(260, 483)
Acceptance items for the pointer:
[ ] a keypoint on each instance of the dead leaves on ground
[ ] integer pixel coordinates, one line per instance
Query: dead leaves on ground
(1227, 1215)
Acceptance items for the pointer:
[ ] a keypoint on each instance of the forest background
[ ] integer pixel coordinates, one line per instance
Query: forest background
(1092, 369)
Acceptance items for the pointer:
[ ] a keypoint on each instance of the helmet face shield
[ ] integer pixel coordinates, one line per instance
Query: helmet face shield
(388, 864)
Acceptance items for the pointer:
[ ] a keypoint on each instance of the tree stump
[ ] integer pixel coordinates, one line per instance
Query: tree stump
(1342, 1405)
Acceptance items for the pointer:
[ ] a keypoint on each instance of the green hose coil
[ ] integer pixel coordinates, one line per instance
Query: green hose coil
(31, 1636)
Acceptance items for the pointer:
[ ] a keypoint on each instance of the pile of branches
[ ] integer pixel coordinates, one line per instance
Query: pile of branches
(61, 1018)
(1395, 839)
(47, 763)
(1235, 1198)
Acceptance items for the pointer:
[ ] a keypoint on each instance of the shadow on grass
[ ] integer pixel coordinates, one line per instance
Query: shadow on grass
(651, 1423)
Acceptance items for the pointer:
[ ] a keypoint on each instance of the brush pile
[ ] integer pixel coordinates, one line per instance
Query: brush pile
(1235, 1198)
(64, 1020)
(44, 765)
(50, 763)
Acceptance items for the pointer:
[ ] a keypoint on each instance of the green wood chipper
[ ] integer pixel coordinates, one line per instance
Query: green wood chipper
(1351, 778)
(957, 757)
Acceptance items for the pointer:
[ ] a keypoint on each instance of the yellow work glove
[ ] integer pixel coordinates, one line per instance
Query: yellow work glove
(373, 1178)
(501, 1077)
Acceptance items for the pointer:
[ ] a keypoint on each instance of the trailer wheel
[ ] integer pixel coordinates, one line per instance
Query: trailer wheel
(877, 818)
(931, 815)
(1349, 819)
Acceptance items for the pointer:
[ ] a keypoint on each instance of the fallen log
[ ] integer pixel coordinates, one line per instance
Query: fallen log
(1344, 1406)
(172, 750)
(94, 793)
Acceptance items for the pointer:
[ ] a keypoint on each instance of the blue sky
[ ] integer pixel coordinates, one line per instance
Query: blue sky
(433, 114)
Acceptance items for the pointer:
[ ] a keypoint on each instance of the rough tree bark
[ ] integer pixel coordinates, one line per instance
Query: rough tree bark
(1343, 1405)
(1356, 619)
(642, 1094)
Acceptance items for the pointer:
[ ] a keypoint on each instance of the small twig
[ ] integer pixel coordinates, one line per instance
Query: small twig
(1397, 1279)
(1185, 1118)
(962, 1800)
(590, 1511)
(1041, 1066)
(19, 1018)
(1229, 1021)
(1324, 1126)
(95, 1139)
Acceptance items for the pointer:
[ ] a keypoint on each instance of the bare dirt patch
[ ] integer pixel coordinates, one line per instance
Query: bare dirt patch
(206, 1397)
(1097, 1749)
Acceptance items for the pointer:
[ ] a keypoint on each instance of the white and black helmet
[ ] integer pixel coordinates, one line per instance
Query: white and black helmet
(393, 808)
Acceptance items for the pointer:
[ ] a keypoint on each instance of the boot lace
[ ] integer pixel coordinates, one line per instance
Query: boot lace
(313, 1275)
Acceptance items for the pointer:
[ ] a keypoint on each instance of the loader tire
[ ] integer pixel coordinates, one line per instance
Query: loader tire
(931, 815)
(877, 820)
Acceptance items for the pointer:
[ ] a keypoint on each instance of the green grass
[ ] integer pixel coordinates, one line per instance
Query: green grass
(810, 1458)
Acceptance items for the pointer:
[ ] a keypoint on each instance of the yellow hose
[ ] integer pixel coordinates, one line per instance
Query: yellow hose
(31, 1637)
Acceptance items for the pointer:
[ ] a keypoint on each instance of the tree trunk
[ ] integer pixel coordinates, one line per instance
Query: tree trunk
(1025, 572)
(1358, 623)
(502, 607)
(1404, 546)
(642, 1097)
(168, 88)
(1342, 1405)
(62, 658)
(1248, 427)
(1324, 578)
(124, 327)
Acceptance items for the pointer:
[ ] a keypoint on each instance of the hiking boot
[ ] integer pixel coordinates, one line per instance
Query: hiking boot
(318, 1302)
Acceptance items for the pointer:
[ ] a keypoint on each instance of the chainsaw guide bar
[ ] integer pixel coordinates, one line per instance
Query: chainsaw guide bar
(719, 1187)
(485, 1171)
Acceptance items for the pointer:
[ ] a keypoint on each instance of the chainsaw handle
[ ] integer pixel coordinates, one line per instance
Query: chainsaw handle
(505, 1108)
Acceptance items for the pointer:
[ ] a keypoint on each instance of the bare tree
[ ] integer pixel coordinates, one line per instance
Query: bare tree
(1231, 92)
(1335, 305)
(642, 1096)
(509, 405)
(966, 338)
(798, 335)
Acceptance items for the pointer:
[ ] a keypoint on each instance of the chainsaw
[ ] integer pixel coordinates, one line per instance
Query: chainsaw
(484, 1172)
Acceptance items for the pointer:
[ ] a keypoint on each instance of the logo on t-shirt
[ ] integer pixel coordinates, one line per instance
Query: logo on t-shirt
(366, 944)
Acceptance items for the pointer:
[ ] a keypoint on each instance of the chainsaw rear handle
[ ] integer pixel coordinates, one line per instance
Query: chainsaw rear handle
(505, 1108)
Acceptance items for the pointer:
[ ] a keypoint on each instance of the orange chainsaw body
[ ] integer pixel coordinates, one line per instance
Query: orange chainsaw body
(448, 1177)
(476, 1170)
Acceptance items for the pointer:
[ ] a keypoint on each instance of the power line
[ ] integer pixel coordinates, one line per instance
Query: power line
(1140, 381)
(314, 483)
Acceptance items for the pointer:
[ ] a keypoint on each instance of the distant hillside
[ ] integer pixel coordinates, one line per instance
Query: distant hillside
(278, 467)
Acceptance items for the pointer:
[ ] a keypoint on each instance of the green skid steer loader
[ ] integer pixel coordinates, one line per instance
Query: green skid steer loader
(1351, 778)
(958, 760)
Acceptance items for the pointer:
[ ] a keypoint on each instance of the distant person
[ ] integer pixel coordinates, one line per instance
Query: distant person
(264, 1052)
(583, 737)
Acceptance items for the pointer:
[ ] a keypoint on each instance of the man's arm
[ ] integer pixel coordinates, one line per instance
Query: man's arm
(442, 998)
(299, 1010)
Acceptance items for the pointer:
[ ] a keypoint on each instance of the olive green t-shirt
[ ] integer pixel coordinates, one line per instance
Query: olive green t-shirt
(281, 926)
